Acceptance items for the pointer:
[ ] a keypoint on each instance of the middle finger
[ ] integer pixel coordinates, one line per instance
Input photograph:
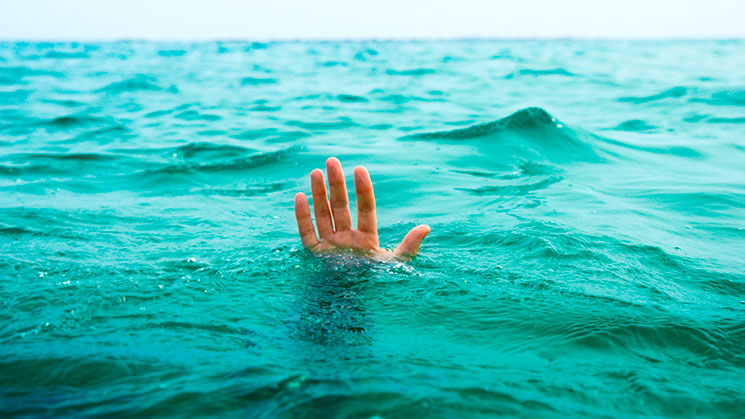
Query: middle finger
(339, 198)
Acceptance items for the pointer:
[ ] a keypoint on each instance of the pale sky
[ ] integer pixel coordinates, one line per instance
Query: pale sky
(354, 19)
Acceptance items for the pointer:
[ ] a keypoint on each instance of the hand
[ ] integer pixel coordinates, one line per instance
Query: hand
(338, 235)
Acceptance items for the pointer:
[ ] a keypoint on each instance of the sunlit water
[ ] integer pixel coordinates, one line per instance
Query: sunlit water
(586, 202)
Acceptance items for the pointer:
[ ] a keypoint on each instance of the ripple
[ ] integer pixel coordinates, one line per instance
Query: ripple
(518, 188)
(672, 93)
(634, 125)
(192, 115)
(255, 81)
(18, 73)
(73, 121)
(322, 126)
(172, 53)
(206, 152)
(724, 98)
(410, 72)
(252, 190)
(536, 73)
(66, 55)
(351, 98)
(137, 83)
(229, 164)
(740, 120)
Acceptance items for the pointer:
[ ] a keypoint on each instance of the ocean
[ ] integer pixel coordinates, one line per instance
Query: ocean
(586, 200)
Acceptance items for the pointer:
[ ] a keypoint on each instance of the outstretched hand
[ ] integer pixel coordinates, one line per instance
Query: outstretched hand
(334, 219)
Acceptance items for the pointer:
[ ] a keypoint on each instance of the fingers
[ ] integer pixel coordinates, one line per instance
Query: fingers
(410, 245)
(339, 198)
(304, 222)
(366, 218)
(321, 204)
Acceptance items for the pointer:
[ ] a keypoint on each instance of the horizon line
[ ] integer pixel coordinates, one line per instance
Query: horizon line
(372, 39)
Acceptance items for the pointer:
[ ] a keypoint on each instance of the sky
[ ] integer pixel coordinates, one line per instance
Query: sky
(364, 19)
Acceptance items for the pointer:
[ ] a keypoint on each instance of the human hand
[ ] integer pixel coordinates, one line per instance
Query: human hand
(338, 235)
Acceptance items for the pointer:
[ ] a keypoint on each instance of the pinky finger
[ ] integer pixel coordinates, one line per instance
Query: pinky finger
(304, 222)
(409, 247)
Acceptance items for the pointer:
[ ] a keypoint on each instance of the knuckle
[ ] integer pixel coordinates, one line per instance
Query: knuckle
(365, 206)
(338, 202)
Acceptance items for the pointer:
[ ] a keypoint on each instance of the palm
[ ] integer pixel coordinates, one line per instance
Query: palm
(334, 219)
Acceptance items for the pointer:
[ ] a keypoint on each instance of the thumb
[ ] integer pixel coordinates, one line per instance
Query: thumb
(410, 244)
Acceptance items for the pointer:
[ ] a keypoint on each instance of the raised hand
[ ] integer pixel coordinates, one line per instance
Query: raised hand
(334, 220)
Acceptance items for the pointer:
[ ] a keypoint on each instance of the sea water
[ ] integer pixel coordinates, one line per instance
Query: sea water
(586, 201)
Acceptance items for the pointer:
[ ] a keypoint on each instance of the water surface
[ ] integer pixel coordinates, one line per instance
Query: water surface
(586, 202)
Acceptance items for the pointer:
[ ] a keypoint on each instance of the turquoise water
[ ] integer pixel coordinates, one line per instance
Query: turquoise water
(586, 201)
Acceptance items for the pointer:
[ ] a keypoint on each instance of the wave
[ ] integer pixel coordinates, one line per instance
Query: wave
(16, 74)
(109, 132)
(172, 52)
(740, 120)
(14, 97)
(73, 121)
(701, 203)
(724, 98)
(334, 63)
(139, 82)
(68, 170)
(549, 72)
(271, 135)
(192, 115)
(351, 98)
(250, 190)
(365, 54)
(512, 188)
(201, 151)
(206, 157)
(68, 103)
(81, 157)
(265, 108)
(398, 99)
(524, 168)
(412, 72)
(718, 98)
(67, 55)
(16, 231)
(530, 133)
(100, 125)
(257, 45)
(156, 114)
(636, 125)
(343, 122)
(522, 180)
(253, 81)
(675, 92)
(35, 165)
(528, 118)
